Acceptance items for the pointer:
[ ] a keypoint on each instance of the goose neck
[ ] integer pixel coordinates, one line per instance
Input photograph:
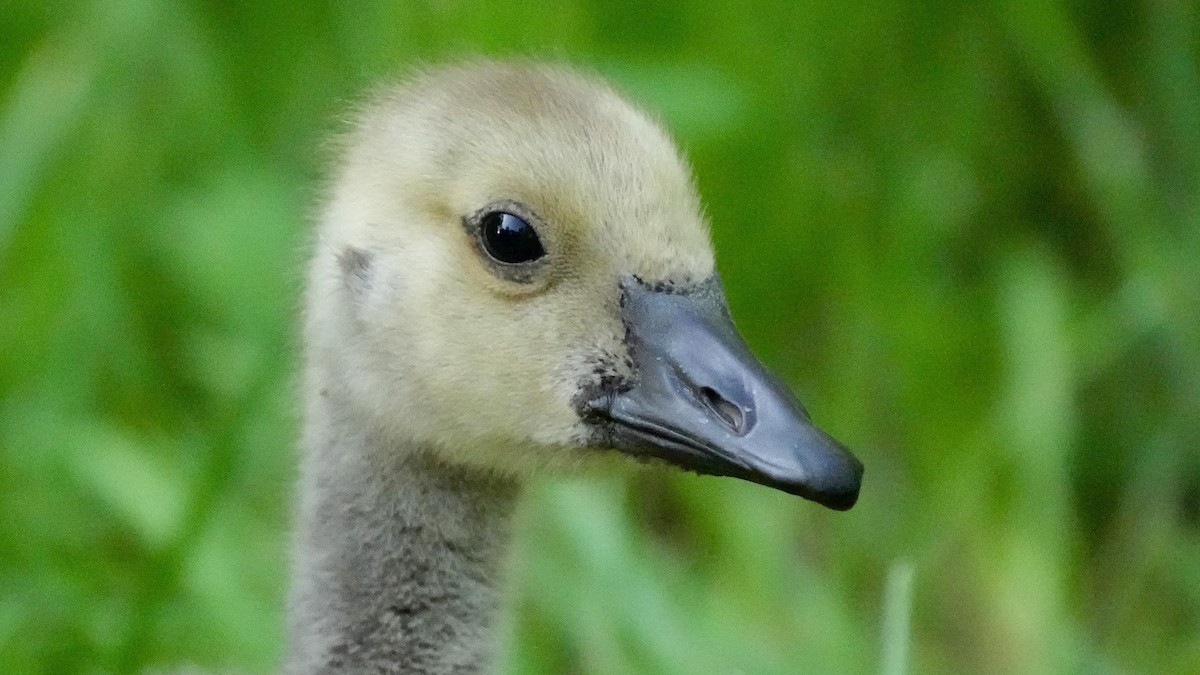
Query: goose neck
(399, 558)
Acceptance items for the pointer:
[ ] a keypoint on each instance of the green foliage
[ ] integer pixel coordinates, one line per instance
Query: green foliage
(969, 234)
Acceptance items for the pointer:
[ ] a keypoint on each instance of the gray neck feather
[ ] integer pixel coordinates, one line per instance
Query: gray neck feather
(399, 559)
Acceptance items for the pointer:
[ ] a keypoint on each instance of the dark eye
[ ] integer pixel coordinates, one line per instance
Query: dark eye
(509, 239)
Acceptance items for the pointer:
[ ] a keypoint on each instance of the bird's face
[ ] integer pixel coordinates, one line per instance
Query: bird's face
(523, 280)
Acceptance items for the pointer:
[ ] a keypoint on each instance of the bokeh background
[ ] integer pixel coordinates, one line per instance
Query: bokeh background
(967, 233)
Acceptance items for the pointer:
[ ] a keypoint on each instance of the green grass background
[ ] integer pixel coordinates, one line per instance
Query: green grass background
(967, 233)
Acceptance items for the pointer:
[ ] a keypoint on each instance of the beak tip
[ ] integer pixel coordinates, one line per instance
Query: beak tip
(840, 487)
(841, 500)
(836, 488)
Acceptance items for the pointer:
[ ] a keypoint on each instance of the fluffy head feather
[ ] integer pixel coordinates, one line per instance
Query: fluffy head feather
(412, 329)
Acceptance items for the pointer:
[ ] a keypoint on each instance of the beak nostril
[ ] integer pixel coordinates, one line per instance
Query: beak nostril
(725, 409)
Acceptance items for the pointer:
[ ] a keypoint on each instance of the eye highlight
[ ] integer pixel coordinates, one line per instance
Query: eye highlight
(509, 239)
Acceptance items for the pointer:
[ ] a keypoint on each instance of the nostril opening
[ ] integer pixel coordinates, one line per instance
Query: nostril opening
(729, 412)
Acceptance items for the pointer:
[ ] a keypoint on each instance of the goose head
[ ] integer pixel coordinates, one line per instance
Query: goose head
(513, 272)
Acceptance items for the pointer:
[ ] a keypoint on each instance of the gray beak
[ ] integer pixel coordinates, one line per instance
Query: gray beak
(701, 401)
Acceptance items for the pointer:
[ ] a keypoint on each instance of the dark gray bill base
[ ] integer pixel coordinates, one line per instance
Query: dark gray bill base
(701, 401)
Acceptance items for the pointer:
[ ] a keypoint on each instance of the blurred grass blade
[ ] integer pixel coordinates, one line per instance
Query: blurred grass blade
(45, 104)
(897, 612)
